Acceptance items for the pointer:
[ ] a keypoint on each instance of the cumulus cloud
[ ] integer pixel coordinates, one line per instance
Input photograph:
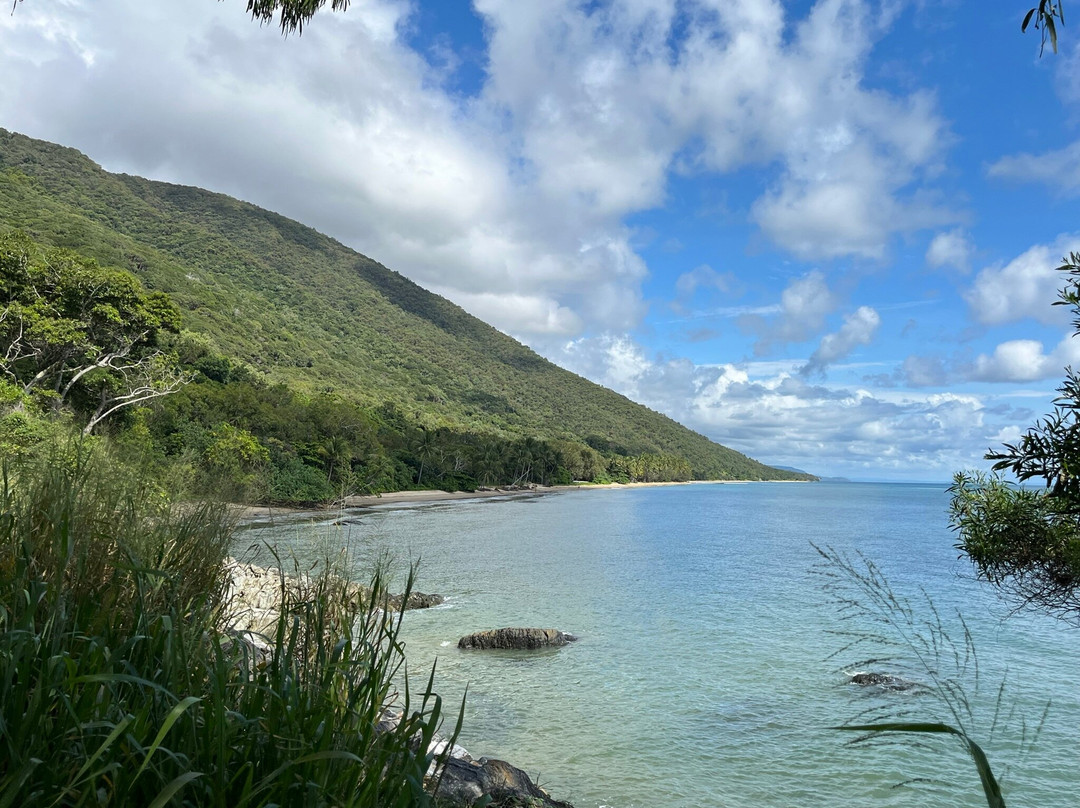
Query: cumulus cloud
(858, 329)
(804, 305)
(1025, 287)
(520, 191)
(528, 315)
(1025, 360)
(952, 248)
(770, 411)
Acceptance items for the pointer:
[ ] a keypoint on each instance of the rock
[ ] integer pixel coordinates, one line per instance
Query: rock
(463, 782)
(458, 781)
(516, 638)
(253, 596)
(416, 600)
(885, 681)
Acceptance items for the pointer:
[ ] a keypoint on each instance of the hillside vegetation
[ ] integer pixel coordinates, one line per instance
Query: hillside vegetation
(292, 339)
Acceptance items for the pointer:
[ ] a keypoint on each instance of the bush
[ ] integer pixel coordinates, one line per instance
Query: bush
(122, 684)
(291, 480)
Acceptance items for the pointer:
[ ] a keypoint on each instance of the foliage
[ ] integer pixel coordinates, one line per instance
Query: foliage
(1046, 15)
(121, 684)
(233, 457)
(1027, 541)
(283, 319)
(292, 14)
(883, 628)
(72, 330)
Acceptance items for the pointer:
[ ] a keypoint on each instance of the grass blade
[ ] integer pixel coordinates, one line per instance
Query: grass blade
(991, 788)
(166, 725)
(170, 790)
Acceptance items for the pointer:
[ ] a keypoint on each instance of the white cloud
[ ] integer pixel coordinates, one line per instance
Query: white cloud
(370, 149)
(770, 412)
(521, 314)
(858, 329)
(521, 192)
(1059, 168)
(952, 248)
(804, 305)
(1023, 360)
(621, 98)
(1025, 287)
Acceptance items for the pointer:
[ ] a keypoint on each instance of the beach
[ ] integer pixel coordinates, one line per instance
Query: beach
(256, 512)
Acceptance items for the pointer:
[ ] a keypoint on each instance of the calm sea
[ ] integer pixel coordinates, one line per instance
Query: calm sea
(707, 671)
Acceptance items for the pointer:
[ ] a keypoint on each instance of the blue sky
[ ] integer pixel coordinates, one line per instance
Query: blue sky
(822, 233)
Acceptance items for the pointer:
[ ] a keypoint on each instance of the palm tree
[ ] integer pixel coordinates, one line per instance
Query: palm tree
(336, 451)
(426, 449)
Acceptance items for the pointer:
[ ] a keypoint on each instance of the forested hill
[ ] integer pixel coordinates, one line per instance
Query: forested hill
(302, 309)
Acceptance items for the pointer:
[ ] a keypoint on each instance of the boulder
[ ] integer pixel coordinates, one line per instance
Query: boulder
(516, 639)
(462, 782)
(458, 781)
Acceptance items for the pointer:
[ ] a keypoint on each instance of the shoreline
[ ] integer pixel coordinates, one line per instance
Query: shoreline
(247, 513)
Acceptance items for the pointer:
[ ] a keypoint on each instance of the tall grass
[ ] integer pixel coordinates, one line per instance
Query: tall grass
(122, 684)
(884, 629)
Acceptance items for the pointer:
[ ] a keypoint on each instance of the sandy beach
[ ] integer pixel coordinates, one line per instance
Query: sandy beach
(255, 512)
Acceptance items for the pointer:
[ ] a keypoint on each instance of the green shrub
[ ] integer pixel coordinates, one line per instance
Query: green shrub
(291, 480)
(121, 682)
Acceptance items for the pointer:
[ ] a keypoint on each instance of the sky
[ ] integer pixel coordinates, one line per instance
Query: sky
(822, 233)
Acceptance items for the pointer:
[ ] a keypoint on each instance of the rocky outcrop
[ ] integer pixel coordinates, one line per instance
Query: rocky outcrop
(457, 780)
(253, 596)
(516, 639)
(465, 781)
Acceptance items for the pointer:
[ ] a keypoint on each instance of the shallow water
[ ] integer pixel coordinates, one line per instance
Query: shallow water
(703, 674)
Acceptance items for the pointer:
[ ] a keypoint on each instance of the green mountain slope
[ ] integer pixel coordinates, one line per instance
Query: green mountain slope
(305, 310)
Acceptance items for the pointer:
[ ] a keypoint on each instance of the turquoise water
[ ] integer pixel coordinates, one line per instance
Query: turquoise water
(703, 674)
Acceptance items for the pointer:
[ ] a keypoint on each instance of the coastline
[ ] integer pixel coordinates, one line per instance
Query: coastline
(253, 512)
(467, 778)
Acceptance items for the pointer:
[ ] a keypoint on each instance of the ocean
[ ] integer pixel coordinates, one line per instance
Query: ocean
(713, 656)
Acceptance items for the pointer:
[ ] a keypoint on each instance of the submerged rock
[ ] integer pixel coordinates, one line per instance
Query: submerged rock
(885, 681)
(416, 600)
(516, 639)
(464, 781)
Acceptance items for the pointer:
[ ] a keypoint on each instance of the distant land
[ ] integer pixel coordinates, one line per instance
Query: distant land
(296, 308)
(817, 477)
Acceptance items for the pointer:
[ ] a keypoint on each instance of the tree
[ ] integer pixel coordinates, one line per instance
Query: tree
(71, 330)
(426, 448)
(1024, 541)
(1027, 541)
